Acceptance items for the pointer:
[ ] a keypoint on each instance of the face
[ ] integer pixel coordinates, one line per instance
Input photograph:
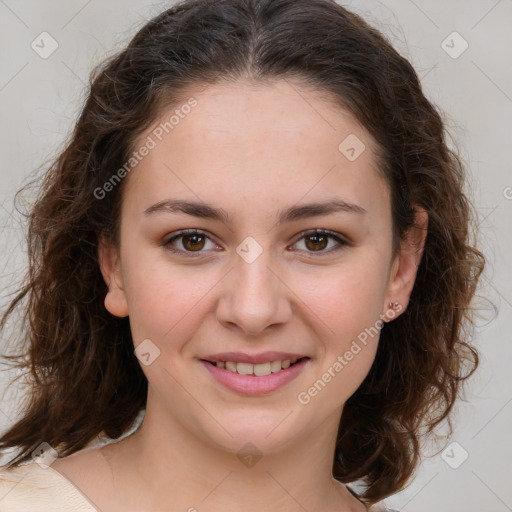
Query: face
(254, 279)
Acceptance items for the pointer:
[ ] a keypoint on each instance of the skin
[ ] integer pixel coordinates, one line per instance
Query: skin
(252, 150)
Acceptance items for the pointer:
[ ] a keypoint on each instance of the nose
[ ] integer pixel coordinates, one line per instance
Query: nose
(254, 296)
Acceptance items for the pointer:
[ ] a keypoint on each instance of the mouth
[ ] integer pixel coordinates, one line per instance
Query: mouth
(259, 369)
(257, 379)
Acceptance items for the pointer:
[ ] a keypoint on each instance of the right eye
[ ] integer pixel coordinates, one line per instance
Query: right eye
(192, 241)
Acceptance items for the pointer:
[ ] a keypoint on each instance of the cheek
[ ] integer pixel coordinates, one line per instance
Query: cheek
(349, 330)
(342, 373)
(347, 298)
(166, 302)
(346, 307)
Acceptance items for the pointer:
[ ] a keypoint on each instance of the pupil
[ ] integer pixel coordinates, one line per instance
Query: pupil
(195, 237)
(322, 238)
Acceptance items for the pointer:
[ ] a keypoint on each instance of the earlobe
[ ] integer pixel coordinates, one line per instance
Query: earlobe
(109, 263)
(405, 266)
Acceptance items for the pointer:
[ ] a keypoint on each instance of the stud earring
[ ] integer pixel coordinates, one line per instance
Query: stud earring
(394, 306)
(390, 314)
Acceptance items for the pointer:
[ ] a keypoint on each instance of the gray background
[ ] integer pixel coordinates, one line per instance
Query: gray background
(40, 99)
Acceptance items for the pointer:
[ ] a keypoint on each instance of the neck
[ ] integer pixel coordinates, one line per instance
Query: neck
(169, 464)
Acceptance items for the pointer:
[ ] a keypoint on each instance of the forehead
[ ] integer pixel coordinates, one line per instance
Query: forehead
(258, 145)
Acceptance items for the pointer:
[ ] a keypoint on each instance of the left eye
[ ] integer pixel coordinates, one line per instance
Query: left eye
(193, 241)
(318, 240)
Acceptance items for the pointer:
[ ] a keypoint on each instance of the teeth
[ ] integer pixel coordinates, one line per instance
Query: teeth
(260, 370)
(230, 366)
(244, 368)
(275, 366)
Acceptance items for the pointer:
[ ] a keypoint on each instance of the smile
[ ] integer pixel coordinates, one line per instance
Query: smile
(259, 370)
(255, 379)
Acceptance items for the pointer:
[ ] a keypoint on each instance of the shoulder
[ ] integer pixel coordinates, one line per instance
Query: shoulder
(39, 489)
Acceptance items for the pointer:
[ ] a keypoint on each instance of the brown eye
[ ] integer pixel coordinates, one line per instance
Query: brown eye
(318, 242)
(192, 243)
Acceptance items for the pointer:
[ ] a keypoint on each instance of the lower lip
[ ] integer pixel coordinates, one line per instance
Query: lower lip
(251, 385)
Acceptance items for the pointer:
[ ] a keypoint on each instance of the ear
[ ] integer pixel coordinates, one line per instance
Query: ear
(405, 266)
(109, 262)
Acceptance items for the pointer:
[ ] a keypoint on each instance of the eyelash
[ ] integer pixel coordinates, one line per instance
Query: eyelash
(305, 234)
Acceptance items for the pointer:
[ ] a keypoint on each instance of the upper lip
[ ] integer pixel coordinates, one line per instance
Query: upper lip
(243, 357)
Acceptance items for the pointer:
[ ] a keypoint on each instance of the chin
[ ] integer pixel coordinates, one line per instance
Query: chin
(252, 436)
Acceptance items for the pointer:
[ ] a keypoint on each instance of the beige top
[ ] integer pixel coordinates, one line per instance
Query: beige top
(34, 488)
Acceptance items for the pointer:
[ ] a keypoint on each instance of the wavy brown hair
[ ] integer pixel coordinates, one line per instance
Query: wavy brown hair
(86, 379)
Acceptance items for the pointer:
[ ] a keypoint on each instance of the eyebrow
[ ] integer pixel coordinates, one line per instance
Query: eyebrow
(294, 213)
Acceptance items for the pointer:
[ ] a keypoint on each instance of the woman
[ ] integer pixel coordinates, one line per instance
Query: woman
(258, 237)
